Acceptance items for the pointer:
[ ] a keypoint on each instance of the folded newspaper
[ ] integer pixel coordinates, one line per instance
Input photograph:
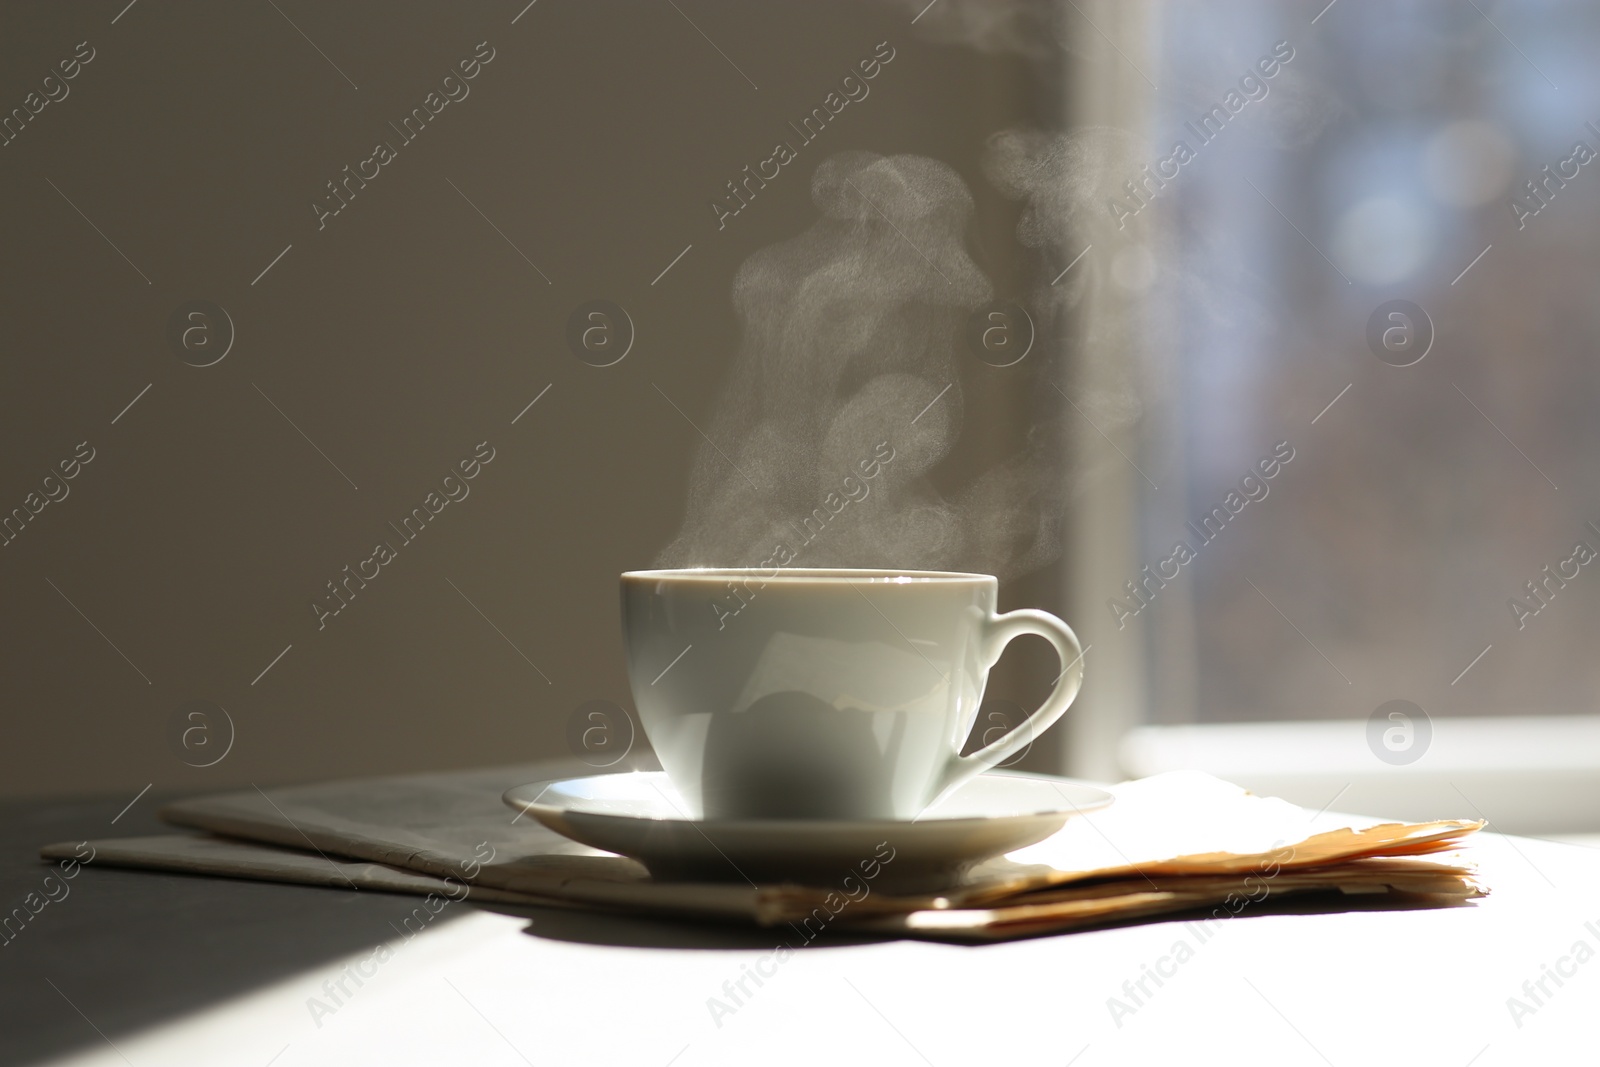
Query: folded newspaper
(1175, 844)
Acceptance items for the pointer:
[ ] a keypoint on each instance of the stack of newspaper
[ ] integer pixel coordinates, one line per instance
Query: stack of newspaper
(1181, 844)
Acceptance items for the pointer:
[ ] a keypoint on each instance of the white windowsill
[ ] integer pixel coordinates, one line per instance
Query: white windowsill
(1525, 774)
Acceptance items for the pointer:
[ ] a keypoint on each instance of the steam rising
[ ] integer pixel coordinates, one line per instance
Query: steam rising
(1028, 27)
(850, 332)
(1065, 180)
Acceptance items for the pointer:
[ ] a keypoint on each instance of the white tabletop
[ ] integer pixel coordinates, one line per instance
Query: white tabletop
(1362, 987)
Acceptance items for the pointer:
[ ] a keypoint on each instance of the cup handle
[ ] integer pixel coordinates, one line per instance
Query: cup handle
(999, 630)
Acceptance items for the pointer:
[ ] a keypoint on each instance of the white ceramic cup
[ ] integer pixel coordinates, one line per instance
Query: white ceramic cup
(801, 693)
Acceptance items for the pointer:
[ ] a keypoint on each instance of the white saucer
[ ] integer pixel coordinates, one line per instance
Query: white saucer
(639, 814)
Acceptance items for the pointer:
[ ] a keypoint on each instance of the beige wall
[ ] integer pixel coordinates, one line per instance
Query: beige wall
(396, 338)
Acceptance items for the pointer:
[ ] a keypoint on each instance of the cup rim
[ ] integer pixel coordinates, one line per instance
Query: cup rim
(820, 575)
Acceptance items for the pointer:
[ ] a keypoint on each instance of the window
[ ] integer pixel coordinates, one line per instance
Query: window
(1355, 261)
